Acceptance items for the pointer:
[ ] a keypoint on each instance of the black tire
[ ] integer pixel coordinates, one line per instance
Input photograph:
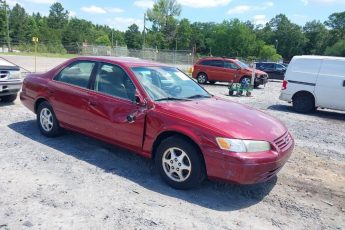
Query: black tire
(202, 78)
(8, 98)
(193, 177)
(55, 129)
(212, 82)
(303, 103)
(231, 92)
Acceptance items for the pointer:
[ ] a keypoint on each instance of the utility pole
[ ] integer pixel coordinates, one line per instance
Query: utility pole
(144, 31)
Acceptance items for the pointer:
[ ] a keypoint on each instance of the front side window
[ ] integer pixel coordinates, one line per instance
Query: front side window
(77, 73)
(114, 81)
(168, 83)
(230, 65)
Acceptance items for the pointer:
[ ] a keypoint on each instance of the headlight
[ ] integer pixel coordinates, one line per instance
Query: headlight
(242, 146)
(14, 75)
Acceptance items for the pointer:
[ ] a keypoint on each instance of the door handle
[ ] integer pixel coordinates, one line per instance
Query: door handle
(131, 118)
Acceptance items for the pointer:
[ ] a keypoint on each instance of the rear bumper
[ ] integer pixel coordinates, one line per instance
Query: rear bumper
(284, 96)
(245, 170)
(10, 87)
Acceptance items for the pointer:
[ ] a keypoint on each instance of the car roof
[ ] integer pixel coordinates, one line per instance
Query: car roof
(127, 61)
(217, 58)
(319, 57)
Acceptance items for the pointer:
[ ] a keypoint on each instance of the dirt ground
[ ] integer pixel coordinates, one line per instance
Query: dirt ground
(76, 182)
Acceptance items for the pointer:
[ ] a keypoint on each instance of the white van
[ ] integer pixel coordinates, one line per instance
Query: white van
(315, 81)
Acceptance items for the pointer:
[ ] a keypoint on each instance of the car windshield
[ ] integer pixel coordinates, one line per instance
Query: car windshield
(243, 65)
(168, 83)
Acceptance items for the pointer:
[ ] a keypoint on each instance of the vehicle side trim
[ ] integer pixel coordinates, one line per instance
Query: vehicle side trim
(302, 83)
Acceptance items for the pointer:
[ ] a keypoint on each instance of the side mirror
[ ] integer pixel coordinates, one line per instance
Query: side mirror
(138, 99)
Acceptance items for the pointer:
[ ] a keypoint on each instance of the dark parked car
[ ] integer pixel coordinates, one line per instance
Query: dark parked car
(10, 81)
(226, 70)
(274, 70)
(158, 112)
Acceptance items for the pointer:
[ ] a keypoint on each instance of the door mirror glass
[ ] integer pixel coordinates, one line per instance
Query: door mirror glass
(138, 99)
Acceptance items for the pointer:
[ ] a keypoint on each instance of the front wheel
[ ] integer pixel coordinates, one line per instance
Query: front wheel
(179, 163)
(46, 120)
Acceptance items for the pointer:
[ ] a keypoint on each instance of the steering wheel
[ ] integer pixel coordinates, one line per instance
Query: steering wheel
(175, 90)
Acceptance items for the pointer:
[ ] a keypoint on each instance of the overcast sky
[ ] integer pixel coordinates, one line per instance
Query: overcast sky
(119, 14)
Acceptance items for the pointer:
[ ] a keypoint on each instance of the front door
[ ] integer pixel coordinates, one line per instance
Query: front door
(231, 70)
(113, 109)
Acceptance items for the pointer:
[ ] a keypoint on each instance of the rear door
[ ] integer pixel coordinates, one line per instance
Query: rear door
(69, 93)
(330, 85)
(213, 68)
(112, 104)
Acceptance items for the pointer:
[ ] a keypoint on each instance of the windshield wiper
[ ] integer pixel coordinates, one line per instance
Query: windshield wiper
(199, 96)
(172, 99)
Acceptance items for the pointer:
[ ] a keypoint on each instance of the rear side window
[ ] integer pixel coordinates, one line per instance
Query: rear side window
(333, 68)
(215, 63)
(77, 73)
(306, 65)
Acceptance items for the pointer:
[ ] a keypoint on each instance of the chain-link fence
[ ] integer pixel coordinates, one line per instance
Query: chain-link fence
(183, 59)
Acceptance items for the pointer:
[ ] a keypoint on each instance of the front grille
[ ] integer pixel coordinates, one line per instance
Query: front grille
(4, 74)
(283, 142)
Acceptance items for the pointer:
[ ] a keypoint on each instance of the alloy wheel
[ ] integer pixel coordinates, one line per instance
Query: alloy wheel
(46, 119)
(176, 164)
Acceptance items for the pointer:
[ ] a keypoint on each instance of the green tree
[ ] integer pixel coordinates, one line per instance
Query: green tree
(133, 37)
(286, 36)
(58, 16)
(317, 36)
(338, 49)
(18, 23)
(162, 16)
(336, 22)
(183, 35)
(103, 40)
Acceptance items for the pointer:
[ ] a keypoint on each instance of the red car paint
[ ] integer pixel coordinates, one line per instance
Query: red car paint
(224, 74)
(104, 117)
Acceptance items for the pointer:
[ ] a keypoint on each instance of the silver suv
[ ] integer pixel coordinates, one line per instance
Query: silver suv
(10, 81)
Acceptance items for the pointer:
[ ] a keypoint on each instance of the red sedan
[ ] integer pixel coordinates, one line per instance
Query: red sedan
(158, 112)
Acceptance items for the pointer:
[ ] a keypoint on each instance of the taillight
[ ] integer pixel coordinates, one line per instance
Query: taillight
(284, 86)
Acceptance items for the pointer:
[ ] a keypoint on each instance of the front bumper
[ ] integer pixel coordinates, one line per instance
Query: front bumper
(261, 80)
(9, 87)
(245, 168)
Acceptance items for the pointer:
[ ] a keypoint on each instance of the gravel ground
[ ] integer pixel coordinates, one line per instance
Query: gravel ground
(77, 182)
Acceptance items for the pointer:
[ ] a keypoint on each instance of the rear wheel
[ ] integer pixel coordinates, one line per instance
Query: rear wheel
(179, 163)
(8, 98)
(46, 120)
(202, 78)
(303, 102)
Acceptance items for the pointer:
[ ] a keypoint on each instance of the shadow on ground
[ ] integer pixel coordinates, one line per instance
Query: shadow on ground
(111, 159)
(327, 114)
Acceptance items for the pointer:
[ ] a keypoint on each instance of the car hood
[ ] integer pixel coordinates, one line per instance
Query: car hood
(257, 72)
(227, 118)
